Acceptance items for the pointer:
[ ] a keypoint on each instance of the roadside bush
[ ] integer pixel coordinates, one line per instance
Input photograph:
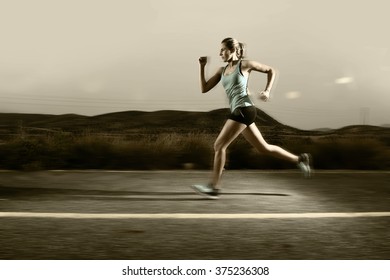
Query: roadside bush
(357, 153)
(177, 151)
(25, 154)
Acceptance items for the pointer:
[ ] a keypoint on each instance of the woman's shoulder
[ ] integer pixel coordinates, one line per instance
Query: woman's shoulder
(251, 65)
(248, 62)
(221, 69)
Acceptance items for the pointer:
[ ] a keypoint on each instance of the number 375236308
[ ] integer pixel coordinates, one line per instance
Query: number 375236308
(230, 270)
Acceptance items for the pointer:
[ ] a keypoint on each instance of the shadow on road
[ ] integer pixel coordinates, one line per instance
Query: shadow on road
(76, 194)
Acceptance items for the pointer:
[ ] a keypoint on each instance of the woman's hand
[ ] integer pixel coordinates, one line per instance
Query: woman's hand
(264, 95)
(203, 60)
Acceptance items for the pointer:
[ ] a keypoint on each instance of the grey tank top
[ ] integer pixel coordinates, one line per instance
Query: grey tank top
(235, 85)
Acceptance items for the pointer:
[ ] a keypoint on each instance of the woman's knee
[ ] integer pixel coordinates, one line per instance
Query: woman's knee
(219, 146)
(265, 148)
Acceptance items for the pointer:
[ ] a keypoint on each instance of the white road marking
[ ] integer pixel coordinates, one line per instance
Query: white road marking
(257, 216)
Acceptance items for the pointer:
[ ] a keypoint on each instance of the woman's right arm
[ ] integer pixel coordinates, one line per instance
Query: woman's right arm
(213, 81)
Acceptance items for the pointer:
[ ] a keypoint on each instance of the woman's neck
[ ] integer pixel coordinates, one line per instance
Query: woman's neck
(233, 61)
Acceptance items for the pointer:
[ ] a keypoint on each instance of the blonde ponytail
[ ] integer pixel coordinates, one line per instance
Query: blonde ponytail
(241, 50)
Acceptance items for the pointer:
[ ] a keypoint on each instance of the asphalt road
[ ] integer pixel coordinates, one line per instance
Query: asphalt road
(326, 223)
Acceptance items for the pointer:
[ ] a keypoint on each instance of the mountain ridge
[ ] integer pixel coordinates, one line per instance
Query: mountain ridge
(158, 122)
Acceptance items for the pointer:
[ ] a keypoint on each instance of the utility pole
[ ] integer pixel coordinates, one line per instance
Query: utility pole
(364, 115)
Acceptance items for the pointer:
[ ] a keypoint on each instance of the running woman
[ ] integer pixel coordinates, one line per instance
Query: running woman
(234, 77)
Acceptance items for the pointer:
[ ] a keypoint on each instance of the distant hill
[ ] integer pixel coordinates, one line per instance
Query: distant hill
(131, 122)
(166, 120)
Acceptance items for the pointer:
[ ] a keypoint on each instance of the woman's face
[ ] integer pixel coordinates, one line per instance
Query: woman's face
(225, 53)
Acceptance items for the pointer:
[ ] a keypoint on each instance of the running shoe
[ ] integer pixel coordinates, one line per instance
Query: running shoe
(206, 191)
(304, 164)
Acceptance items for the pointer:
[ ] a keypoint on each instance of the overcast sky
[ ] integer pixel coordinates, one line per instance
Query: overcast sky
(98, 56)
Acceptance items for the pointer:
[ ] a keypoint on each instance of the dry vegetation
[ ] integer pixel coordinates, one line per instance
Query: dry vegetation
(181, 150)
(174, 140)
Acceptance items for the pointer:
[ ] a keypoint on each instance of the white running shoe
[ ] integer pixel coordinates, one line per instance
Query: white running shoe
(304, 164)
(206, 191)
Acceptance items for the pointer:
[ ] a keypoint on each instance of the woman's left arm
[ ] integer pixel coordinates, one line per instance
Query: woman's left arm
(249, 65)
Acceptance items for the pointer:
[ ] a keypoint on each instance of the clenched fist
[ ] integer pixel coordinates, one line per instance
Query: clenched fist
(203, 60)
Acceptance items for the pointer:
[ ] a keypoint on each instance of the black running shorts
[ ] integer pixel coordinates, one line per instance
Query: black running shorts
(245, 115)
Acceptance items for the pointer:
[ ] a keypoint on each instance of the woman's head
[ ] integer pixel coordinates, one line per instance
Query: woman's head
(230, 47)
